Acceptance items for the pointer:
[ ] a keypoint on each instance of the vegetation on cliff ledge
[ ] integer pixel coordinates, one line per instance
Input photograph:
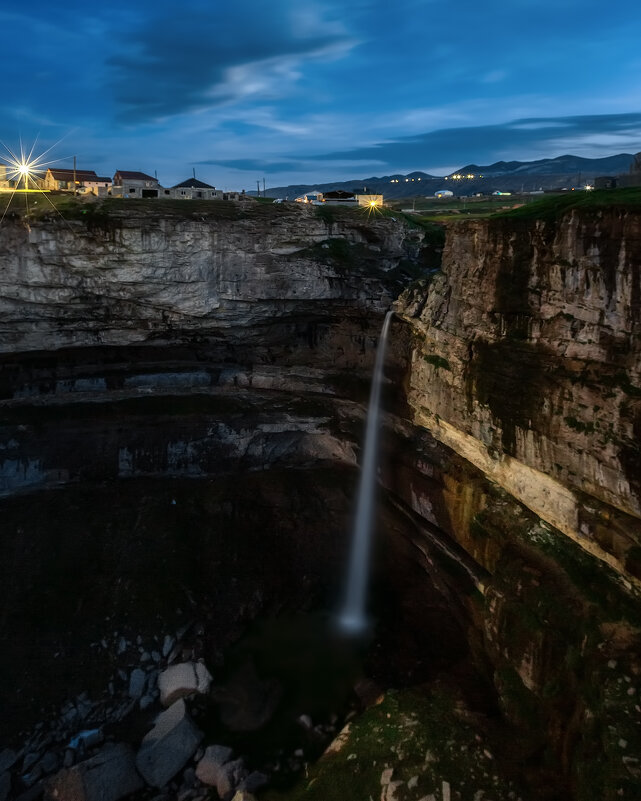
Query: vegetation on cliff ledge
(555, 206)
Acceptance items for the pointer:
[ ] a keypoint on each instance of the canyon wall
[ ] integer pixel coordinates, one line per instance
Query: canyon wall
(153, 340)
(138, 274)
(522, 473)
(527, 362)
(142, 343)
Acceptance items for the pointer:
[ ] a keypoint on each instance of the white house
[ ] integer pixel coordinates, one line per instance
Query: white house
(373, 201)
(135, 185)
(311, 197)
(193, 189)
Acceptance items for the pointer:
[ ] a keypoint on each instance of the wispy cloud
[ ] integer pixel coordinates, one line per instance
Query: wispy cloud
(197, 57)
(519, 139)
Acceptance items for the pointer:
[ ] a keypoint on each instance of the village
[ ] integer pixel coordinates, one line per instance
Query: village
(124, 184)
(130, 184)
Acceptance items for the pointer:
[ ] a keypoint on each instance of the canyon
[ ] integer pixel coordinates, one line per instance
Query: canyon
(183, 393)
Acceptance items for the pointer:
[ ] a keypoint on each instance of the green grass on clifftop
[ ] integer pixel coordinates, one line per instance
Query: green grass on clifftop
(553, 207)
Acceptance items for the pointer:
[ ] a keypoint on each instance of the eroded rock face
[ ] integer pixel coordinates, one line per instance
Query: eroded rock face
(525, 366)
(528, 363)
(152, 344)
(129, 276)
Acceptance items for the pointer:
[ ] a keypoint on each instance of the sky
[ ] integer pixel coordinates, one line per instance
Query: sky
(304, 91)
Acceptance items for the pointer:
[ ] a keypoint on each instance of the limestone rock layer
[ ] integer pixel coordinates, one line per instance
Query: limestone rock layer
(527, 362)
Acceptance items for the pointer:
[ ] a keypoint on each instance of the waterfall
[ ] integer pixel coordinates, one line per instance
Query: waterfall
(352, 618)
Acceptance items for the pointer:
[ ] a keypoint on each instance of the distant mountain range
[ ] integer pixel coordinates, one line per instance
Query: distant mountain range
(506, 176)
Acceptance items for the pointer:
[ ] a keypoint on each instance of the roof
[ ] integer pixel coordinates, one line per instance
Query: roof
(69, 175)
(134, 176)
(339, 194)
(193, 183)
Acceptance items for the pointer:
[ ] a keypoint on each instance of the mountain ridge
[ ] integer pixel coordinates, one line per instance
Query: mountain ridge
(562, 171)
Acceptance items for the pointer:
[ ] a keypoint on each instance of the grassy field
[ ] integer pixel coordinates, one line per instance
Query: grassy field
(549, 206)
(554, 206)
(425, 211)
(38, 205)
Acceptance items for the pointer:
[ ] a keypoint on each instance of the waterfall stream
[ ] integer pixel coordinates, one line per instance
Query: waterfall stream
(352, 617)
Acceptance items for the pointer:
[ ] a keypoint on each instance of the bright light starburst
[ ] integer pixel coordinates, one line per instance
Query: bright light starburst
(23, 167)
(26, 172)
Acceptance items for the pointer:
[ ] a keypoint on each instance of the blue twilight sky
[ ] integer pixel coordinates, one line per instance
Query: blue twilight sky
(315, 90)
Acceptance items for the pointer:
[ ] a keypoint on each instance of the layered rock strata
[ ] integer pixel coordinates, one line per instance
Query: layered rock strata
(527, 362)
(144, 342)
(522, 476)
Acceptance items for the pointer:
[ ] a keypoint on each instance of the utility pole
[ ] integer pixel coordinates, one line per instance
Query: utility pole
(75, 185)
(258, 187)
(263, 187)
(194, 172)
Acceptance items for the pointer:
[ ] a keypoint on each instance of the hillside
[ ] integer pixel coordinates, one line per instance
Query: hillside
(507, 176)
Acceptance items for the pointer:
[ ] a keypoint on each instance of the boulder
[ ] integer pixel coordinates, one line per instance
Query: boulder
(254, 782)
(137, 682)
(178, 681)
(168, 746)
(108, 776)
(209, 767)
(8, 758)
(50, 762)
(230, 779)
(5, 786)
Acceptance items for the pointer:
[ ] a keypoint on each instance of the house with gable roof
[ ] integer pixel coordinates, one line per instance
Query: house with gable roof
(192, 189)
(84, 181)
(131, 184)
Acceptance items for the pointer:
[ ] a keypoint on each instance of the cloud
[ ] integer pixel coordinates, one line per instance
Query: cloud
(257, 165)
(495, 76)
(198, 56)
(524, 139)
(267, 166)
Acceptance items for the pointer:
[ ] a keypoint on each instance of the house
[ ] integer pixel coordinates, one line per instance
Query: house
(4, 177)
(85, 181)
(135, 185)
(339, 197)
(311, 197)
(192, 189)
(373, 201)
(631, 178)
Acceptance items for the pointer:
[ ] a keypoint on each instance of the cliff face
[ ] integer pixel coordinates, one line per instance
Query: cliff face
(527, 362)
(144, 351)
(245, 324)
(135, 275)
(523, 474)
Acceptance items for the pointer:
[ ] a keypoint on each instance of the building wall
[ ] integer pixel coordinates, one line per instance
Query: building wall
(368, 200)
(186, 193)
